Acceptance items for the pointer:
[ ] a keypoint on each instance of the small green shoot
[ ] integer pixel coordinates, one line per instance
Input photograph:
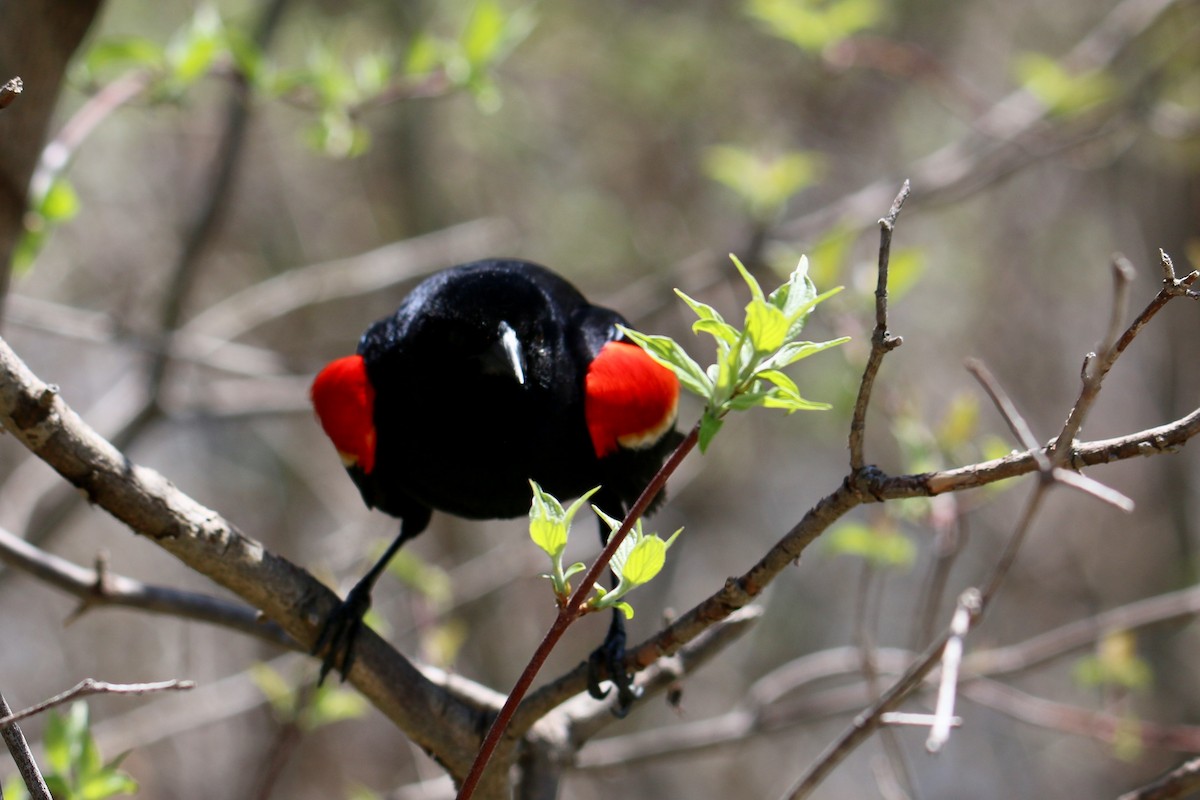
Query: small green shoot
(549, 526)
(747, 372)
(73, 769)
(640, 557)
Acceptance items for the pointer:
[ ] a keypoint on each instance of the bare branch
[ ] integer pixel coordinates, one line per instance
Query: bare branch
(1008, 410)
(1097, 725)
(1094, 372)
(1010, 135)
(960, 625)
(347, 277)
(151, 506)
(882, 342)
(18, 747)
(90, 686)
(97, 588)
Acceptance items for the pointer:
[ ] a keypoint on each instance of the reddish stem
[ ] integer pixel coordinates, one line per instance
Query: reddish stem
(570, 612)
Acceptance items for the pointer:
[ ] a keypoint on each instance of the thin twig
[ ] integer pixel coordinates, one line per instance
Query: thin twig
(1048, 468)
(118, 590)
(882, 342)
(1094, 372)
(57, 154)
(88, 687)
(14, 739)
(1061, 717)
(960, 625)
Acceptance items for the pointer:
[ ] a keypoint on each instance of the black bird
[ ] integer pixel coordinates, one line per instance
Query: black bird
(488, 375)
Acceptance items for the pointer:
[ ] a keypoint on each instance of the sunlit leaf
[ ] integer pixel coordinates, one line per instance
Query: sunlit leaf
(960, 422)
(814, 25)
(882, 546)
(764, 183)
(1063, 92)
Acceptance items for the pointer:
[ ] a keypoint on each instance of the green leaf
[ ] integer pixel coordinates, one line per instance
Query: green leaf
(60, 203)
(549, 523)
(779, 379)
(796, 351)
(1062, 92)
(905, 269)
(106, 783)
(431, 581)
(883, 546)
(709, 426)
(710, 321)
(1116, 663)
(797, 292)
(336, 134)
(960, 422)
(197, 46)
(645, 560)
(829, 255)
(764, 183)
(124, 51)
(756, 292)
(766, 326)
(280, 694)
(248, 57)
(791, 403)
(671, 355)
(330, 704)
(814, 25)
(484, 32)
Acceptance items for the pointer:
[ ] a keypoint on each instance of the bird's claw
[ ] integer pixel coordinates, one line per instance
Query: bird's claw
(340, 632)
(609, 659)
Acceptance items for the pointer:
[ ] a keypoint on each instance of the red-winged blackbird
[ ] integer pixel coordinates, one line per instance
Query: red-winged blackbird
(487, 375)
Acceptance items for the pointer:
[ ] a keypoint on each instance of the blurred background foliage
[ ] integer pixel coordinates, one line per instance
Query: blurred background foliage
(631, 145)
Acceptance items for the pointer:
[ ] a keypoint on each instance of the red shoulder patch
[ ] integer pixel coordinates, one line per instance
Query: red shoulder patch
(630, 398)
(344, 400)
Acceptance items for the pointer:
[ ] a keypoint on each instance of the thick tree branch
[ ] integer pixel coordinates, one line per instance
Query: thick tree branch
(152, 507)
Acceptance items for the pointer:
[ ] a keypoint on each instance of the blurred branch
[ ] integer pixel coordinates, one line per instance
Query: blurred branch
(367, 272)
(1098, 725)
(18, 747)
(766, 707)
(99, 587)
(1010, 135)
(213, 207)
(90, 686)
(102, 328)
(974, 603)
(57, 154)
(1051, 644)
